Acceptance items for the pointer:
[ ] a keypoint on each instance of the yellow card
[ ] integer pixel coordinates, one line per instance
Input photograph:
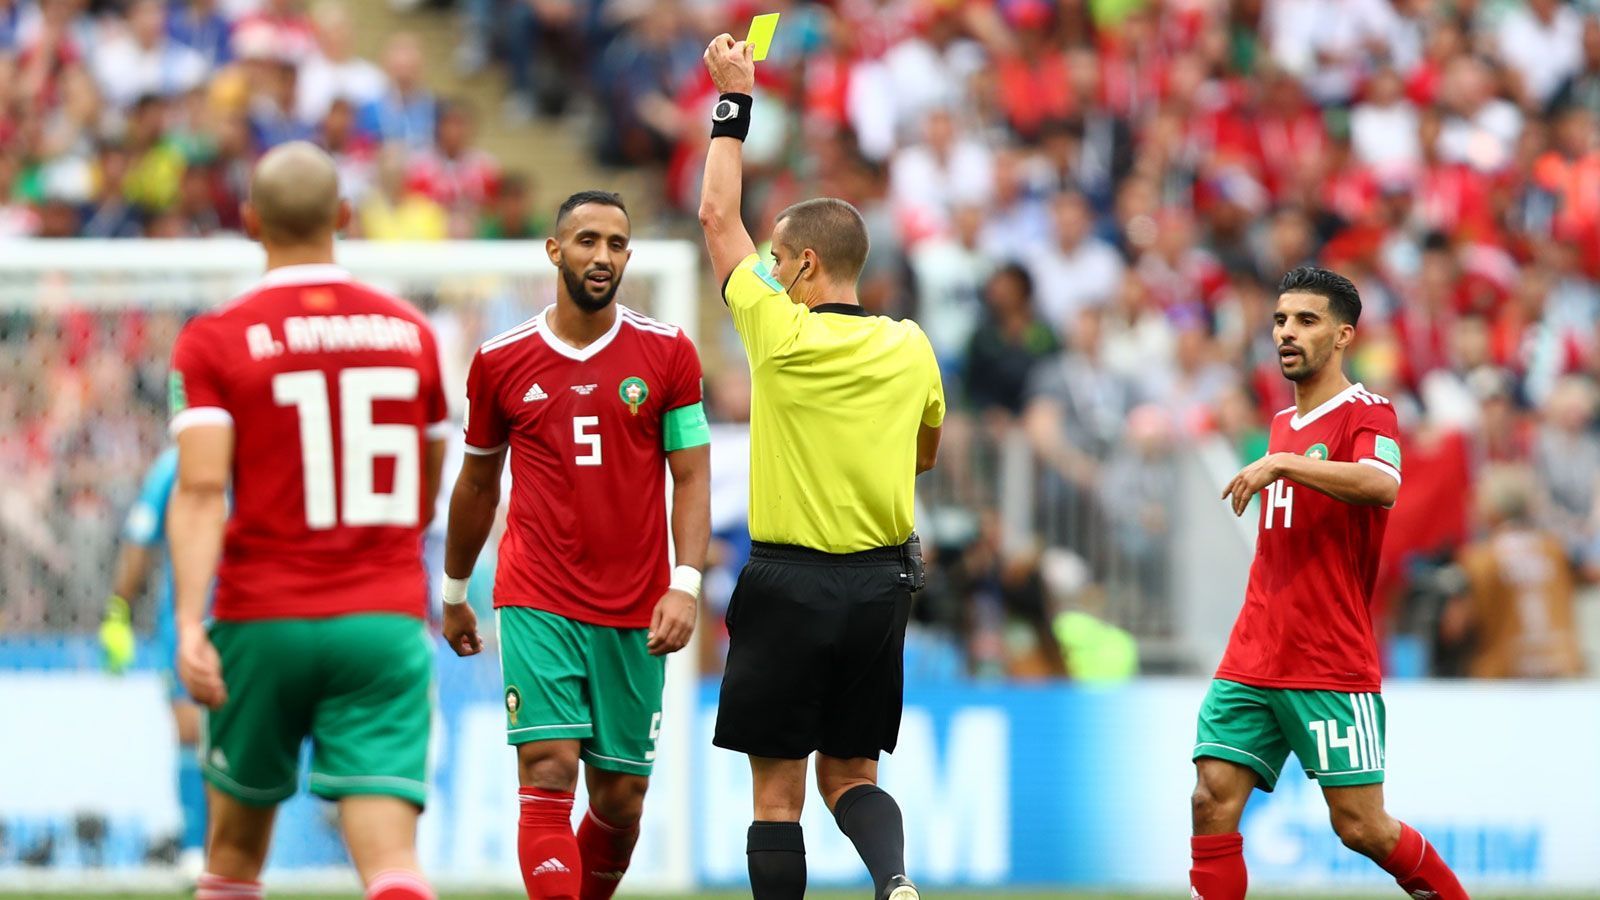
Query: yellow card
(762, 28)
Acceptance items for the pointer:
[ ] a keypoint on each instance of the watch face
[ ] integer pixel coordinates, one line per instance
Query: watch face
(724, 110)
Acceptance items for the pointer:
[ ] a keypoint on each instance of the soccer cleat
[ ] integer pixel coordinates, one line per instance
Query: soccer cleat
(901, 888)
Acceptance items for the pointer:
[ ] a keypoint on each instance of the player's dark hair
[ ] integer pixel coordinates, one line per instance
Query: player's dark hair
(1344, 301)
(581, 198)
(830, 228)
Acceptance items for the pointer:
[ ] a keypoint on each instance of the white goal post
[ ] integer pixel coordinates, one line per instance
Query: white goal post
(474, 286)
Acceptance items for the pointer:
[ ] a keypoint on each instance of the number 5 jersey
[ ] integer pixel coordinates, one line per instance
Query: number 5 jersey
(332, 390)
(589, 432)
(1306, 622)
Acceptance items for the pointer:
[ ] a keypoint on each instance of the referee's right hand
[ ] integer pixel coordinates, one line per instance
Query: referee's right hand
(461, 629)
(731, 64)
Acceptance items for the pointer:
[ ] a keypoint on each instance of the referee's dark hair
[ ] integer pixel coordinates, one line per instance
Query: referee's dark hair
(1344, 301)
(604, 198)
(830, 228)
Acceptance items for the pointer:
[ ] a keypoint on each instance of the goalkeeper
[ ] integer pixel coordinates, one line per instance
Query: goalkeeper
(144, 534)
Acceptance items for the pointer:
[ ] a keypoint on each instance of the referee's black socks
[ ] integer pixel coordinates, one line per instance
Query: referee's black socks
(870, 818)
(776, 853)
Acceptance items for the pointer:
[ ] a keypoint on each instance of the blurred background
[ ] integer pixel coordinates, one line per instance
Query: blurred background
(1085, 203)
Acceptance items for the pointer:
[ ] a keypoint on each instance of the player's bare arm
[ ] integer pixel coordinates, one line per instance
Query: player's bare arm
(1345, 481)
(432, 474)
(472, 510)
(733, 71)
(928, 447)
(196, 518)
(672, 623)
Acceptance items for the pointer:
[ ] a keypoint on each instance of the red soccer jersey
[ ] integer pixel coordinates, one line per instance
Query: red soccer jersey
(1307, 621)
(586, 536)
(332, 390)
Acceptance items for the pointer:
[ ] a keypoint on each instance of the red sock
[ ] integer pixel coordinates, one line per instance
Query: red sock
(399, 884)
(546, 846)
(1420, 870)
(1218, 872)
(606, 850)
(215, 887)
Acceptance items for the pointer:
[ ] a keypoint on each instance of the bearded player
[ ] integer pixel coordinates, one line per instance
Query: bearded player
(1301, 670)
(319, 401)
(592, 400)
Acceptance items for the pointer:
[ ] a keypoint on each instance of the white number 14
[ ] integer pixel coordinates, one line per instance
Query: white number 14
(1280, 495)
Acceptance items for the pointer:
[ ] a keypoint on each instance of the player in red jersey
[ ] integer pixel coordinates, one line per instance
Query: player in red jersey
(593, 401)
(1301, 670)
(319, 402)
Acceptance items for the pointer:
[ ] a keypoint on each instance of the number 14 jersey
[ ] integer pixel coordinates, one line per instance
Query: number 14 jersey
(588, 430)
(332, 390)
(1307, 621)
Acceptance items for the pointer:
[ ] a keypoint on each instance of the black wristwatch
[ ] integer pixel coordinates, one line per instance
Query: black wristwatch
(731, 116)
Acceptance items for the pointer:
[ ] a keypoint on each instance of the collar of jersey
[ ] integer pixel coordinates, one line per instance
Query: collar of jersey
(844, 309)
(309, 273)
(569, 351)
(1329, 405)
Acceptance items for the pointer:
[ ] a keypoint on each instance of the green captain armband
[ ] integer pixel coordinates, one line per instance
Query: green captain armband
(685, 427)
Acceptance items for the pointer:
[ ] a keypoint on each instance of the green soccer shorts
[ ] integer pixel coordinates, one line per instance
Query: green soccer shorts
(1337, 737)
(360, 686)
(569, 680)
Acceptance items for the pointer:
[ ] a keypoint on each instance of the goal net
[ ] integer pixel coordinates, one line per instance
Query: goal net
(86, 330)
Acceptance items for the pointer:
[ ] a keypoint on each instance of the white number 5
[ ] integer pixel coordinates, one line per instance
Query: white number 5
(587, 439)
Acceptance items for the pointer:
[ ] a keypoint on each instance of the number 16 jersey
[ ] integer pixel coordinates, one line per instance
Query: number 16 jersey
(588, 430)
(1307, 622)
(333, 391)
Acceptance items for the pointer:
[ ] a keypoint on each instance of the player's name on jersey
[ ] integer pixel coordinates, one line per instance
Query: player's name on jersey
(325, 334)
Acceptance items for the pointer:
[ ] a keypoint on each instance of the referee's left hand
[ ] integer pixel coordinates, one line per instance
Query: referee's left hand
(672, 623)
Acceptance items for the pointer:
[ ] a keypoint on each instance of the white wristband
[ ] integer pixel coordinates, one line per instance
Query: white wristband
(455, 591)
(686, 579)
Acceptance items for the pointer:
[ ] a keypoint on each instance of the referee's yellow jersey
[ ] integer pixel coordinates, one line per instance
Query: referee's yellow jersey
(837, 396)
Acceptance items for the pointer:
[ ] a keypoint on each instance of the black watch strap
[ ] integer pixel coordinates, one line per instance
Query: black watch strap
(730, 117)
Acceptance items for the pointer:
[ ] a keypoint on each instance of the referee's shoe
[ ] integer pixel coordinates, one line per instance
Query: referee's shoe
(901, 888)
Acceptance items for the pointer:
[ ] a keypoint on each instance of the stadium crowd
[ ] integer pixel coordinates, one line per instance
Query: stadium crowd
(1085, 205)
(142, 118)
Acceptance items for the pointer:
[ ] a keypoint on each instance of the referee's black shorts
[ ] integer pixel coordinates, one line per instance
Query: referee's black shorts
(815, 654)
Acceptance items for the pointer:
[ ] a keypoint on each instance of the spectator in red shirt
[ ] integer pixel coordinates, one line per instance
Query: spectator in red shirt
(455, 174)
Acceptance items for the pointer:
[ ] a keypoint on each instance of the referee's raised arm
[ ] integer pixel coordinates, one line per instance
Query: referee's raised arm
(733, 71)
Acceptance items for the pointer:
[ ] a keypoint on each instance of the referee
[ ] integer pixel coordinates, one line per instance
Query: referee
(845, 411)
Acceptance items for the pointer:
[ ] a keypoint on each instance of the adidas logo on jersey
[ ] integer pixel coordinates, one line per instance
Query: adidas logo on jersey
(534, 393)
(550, 866)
